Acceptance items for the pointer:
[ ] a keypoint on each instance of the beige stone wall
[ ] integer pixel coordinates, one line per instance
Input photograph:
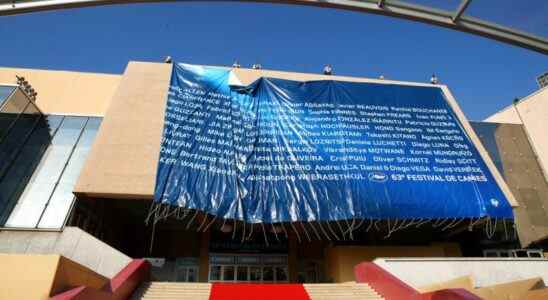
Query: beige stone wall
(532, 111)
(32, 277)
(27, 277)
(124, 157)
(63, 92)
(341, 260)
(523, 174)
(507, 115)
(71, 274)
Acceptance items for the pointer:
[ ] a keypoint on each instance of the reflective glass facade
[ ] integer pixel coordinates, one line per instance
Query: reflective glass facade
(5, 92)
(487, 135)
(23, 138)
(47, 198)
(40, 160)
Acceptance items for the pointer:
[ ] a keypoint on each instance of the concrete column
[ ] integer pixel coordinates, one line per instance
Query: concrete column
(204, 257)
(292, 258)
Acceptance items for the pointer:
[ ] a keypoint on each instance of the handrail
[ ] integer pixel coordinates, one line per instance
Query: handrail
(120, 287)
(392, 288)
(384, 283)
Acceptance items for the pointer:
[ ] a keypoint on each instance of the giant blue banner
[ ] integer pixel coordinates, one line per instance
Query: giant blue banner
(283, 151)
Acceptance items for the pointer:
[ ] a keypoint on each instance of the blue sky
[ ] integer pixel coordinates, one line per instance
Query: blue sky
(483, 75)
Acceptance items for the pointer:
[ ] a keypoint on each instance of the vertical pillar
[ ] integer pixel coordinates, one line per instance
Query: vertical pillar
(292, 258)
(204, 257)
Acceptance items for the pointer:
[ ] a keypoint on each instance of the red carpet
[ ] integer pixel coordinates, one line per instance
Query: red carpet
(245, 291)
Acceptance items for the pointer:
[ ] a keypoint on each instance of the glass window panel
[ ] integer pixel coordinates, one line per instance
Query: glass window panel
(15, 138)
(81, 151)
(281, 274)
(490, 253)
(5, 92)
(487, 135)
(447, 5)
(215, 273)
(242, 273)
(192, 274)
(41, 185)
(535, 254)
(10, 148)
(61, 201)
(15, 104)
(52, 124)
(57, 209)
(69, 131)
(255, 273)
(181, 274)
(6, 115)
(25, 164)
(30, 205)
(268, 273)
(228, 273)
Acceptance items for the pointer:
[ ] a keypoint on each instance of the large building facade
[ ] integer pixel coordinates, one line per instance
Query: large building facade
(85, 154)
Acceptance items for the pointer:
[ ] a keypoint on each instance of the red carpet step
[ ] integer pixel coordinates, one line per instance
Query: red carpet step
(245, 291)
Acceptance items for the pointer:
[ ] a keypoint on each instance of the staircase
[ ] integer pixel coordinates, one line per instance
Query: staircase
(201, 291)
(336, 291)
(172, 291)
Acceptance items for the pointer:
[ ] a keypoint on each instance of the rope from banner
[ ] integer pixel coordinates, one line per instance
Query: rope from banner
(296, 233)
(315, 231)
(389, 231)
(305, 232)
(453, 224)
(490, 228)
(264, 234)
(439, 222)
(350, 229)
(370, 225)
(342, 231)
(202, 224)
(250, 232)
(191, 219)
(243, 232)
(211, 223)
(274, 230)
(152, 237)
(179, 216)
(332, 231)
(233, 229)
(324, 232)
(505, 231)
(284, 230)
(377, 225)
(151, 210)
(423, 222)
(346, 228)
(360, 224)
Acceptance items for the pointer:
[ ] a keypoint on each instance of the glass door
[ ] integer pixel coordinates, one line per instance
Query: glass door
(248, 268)
(187, 274)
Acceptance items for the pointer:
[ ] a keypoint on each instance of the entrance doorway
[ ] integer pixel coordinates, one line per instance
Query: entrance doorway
(263, 268)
